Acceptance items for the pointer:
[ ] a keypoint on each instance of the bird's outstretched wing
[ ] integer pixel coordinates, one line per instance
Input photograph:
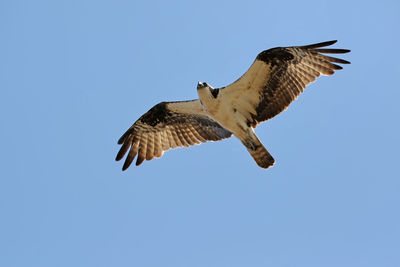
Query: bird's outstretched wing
(278, 76)
(165, 126)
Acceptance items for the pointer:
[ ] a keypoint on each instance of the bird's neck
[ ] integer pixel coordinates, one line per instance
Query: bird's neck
(207, 99)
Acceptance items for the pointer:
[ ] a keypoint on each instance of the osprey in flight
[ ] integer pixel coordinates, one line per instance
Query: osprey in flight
(273, 81)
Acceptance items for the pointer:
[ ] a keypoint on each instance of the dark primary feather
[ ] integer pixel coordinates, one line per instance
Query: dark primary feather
(291, 69)
(317, 45)
(161, 129)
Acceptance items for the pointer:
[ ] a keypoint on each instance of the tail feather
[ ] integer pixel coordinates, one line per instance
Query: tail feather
(262, 157)
(259, 153)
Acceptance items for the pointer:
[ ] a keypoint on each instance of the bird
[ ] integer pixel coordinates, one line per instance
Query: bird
(274, 80)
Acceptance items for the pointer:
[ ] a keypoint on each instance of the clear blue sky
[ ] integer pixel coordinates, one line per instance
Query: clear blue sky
(74, 75)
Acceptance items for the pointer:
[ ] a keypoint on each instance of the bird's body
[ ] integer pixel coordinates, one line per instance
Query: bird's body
(234, 113)
(274, 80)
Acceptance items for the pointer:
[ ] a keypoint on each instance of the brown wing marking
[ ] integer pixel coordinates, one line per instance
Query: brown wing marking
(163, 127)
(291, 70)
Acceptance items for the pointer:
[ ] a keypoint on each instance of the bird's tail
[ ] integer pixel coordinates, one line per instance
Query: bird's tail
(259, 153)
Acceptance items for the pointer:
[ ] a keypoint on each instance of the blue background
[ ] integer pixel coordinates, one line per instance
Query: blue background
(74, 75)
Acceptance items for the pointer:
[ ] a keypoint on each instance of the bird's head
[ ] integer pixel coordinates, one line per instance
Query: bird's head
(202, 85)
(206, 92)
(205, 88)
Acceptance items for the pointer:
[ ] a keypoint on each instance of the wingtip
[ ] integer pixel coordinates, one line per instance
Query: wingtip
(139, 160)
(120, 140)
(120, 155)
(127, 163)
(345, 61)
(330, 50)
(330, 42)
(322, 44)
(125, 147)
